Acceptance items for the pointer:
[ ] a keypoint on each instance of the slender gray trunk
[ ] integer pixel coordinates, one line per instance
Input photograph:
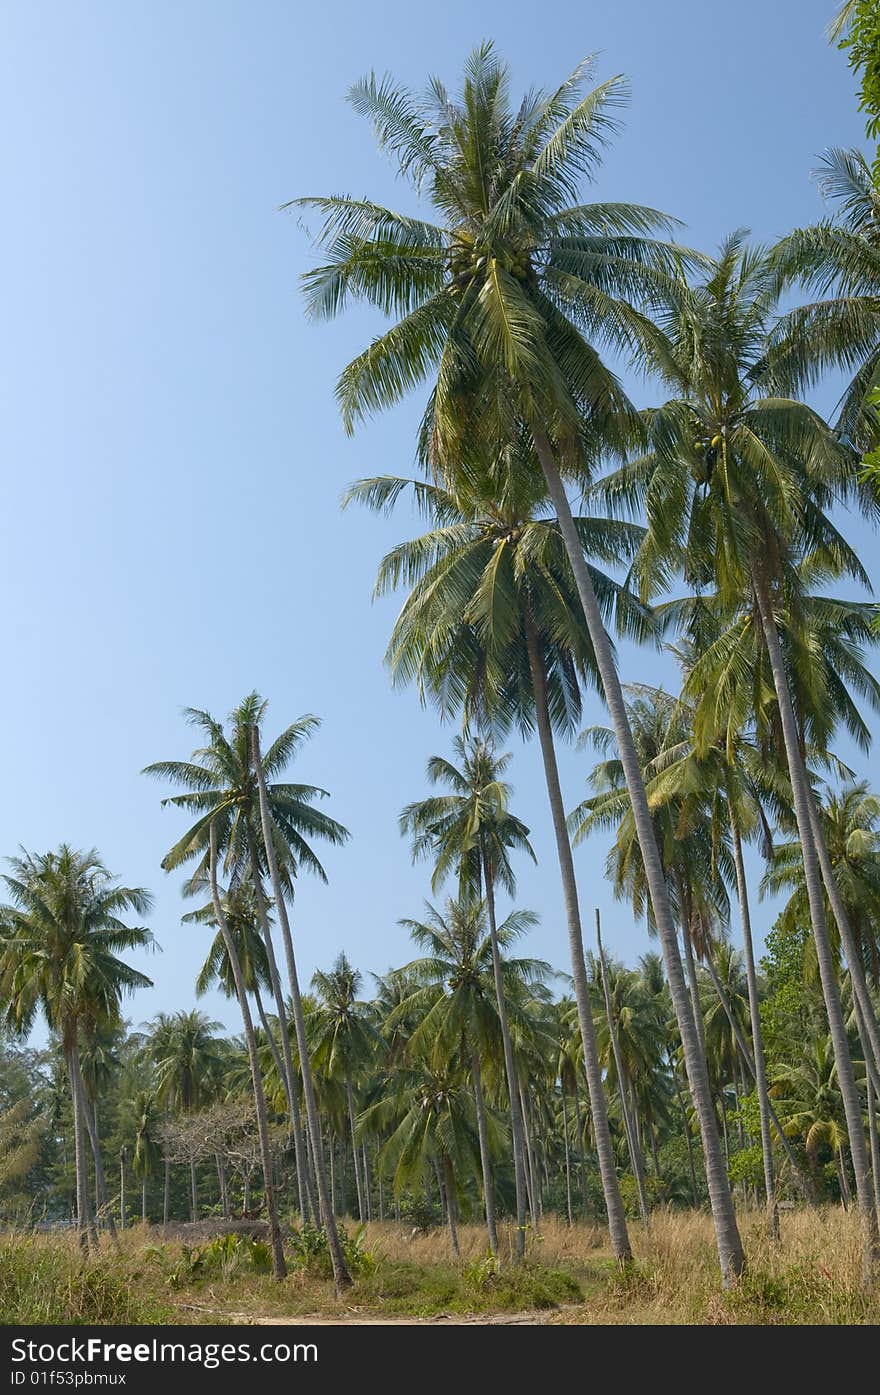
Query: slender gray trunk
(166, 1194)
(122, 1155)
(730, 1251)
(354, 1152)
(365, 1174)
(485, 1161)
(742, 892)
(873, 1140)
(601, 1132)
(837, 1028)
(144, 1201)
(516, 1124)
(341, 1276)
(102, 1208)
(305, 1186)
(687, 1131)
(449, 1190)
(279, 1268)
(83, 1216)
(530, 1162)
(633, 1144)
(567, 1159)
(865, 1014)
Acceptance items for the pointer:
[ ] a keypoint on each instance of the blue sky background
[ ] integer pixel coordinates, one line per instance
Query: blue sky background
(171, 449)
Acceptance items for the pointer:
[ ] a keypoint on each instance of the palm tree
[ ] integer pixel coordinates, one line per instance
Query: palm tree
(851, 824)
(736, 486)
(343, 1041)
(189, 1064)
(458, 999)
(62, 934)
(243, 922)
(505, 301)
(276, 833)
(472, 830)
(430, 1116)
(147, 1147)
(839, 259)
(493, 623)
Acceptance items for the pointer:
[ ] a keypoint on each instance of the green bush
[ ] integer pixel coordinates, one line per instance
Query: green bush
(41, 1283)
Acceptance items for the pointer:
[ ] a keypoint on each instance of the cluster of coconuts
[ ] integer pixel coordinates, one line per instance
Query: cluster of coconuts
(707, 448)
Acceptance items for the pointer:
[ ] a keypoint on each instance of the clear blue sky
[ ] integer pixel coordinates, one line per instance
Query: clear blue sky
(171, 449)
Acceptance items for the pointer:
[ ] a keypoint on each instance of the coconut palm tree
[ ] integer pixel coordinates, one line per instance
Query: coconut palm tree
(492, 624)
(62, 935)
(430, 1119)
(851, 824)
(737, 485)
(471, 831)
(147, 1144)
(840, 260)
(221, 783)
(343, 1041)
(457, 999)
(506, 302)
(189, 1063)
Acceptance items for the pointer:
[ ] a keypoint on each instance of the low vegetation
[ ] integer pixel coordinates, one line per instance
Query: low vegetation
(569, 1276)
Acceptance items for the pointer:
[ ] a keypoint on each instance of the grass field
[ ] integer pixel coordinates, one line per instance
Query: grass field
(569, 1277)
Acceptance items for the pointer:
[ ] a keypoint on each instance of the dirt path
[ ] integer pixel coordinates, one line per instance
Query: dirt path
(355, 1319)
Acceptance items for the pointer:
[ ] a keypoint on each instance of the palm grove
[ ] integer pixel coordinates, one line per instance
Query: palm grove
(555, 516)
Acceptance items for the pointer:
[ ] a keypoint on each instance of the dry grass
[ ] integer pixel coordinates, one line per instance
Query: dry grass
(812, 1276)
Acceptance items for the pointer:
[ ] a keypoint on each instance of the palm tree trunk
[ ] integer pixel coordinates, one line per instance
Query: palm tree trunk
(730, 1251)
(305, 1186)
(485, 1162)
(579, 1125)
(354, 1152)
(635, 1152)
(601, 1132)
(449, 1190)
(530, 1162)
(341, 1276)
(144, 1201)
(332, 1152)
(845, 1194)
(279, 1268)
(687, 1131)
(757, 1034)
(102, 1207)
(869, 1034)
(122, 1189)
(83, 1218)
(166, 1195)
(836, 1025)
(365, 1174)
(516, 1125)
(567, 1160)
(874, 1142)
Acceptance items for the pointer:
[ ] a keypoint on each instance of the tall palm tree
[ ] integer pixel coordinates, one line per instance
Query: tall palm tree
(343, 1041)
(458, 998)
(221, 783)
(62, 934)
(147, 1146)
(505, 301)
(189, 1063)
(840, 259)
(851, 824)
(736, 485)
(471, 831)
(492, 623)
